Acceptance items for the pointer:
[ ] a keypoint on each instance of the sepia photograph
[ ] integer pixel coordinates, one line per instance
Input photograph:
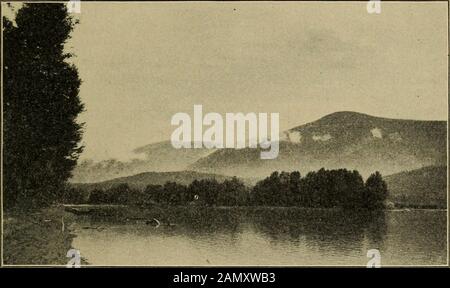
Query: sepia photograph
(224, 134)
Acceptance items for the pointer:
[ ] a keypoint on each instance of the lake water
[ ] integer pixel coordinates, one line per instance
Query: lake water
(264, 236)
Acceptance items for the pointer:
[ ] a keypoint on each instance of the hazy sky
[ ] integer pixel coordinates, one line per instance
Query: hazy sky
(142, 62)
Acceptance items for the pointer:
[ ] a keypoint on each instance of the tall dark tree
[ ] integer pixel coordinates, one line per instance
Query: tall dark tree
(375, 192)
(294, 187)
(41, 103)
(350, 189)
(232, 193)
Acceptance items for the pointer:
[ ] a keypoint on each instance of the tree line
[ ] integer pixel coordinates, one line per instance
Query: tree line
(321, 189)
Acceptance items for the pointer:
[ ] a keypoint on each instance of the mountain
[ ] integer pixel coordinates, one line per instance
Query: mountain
(140, 181)
(424, 187)
(341, 140)
(157, 157)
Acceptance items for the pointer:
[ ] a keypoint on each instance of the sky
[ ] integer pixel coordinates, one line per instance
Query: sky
(143, 62)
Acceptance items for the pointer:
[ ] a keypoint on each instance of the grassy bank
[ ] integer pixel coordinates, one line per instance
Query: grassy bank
(37, 238)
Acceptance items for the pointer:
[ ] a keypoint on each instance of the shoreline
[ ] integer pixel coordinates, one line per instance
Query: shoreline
(41, 237)
(73, 207)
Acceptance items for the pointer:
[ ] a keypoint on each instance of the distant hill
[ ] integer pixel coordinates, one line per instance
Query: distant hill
(421, 187)
(140, 181)
(341, 140)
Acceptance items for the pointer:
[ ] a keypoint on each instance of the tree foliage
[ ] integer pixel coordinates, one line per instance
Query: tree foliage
(41, 104)
(376, 191)
(323, 189)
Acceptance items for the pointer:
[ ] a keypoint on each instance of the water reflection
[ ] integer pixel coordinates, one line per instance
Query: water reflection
(263, 236)
(331, 226)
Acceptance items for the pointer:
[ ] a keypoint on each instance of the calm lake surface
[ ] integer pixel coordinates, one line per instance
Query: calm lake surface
(263, 236)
